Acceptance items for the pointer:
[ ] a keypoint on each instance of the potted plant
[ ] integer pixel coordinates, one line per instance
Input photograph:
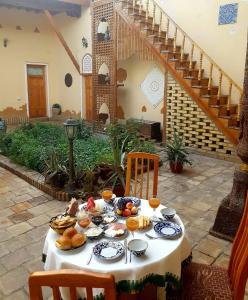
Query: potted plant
(56, 109)
(177, 154)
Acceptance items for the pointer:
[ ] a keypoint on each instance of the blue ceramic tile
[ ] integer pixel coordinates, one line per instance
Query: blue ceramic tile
(228, 14)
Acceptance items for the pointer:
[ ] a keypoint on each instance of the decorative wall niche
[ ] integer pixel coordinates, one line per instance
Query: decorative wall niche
(143, 108)
(37, 30)
(103, 32)
(87, 64)
(103, 74)
(68, 80)
(18, 27)
(121, 75)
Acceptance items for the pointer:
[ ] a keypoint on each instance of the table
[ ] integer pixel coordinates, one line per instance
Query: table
(162, 257)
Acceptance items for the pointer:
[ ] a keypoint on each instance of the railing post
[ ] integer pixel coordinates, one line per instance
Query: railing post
(147, 10)
(191, 57)
(210, 78)
(160, 22)
(167, 31)
(200, 67)
(229, 96)
(154, 15)
(182, 49)
(219, 86)
(175, 41)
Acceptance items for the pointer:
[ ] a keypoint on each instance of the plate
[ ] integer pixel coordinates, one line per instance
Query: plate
(94, 233)
(108, 250)
(107, 219)
(115, 231)
(168, 229)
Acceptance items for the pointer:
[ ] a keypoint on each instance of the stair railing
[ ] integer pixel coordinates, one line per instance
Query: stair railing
(226, 85)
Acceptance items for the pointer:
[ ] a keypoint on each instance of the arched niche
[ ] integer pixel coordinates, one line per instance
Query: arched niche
(103, 74)
(87, 64)
(103, 33)
(104, 115)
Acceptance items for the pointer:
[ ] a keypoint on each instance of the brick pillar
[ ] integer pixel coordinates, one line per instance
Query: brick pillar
(231, 208)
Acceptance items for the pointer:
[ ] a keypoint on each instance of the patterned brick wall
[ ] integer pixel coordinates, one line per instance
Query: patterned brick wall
(198, 130)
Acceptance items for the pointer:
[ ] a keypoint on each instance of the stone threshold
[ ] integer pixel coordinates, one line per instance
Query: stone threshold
(32, 177)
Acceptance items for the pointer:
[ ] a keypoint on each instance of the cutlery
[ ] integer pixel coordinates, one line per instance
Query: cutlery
(153, 237)
(130, 259)
(90, 257)
(125, 246)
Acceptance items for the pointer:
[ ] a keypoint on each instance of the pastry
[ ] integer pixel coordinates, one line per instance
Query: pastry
(78, 239)
(144, 222)
(63, 243)
(70, 232)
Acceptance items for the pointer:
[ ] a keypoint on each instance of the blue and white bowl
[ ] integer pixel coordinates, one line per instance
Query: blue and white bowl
(138, 247)
(168, 213)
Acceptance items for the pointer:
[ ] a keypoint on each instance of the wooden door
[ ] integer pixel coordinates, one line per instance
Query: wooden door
(88, 97)
(36, 91)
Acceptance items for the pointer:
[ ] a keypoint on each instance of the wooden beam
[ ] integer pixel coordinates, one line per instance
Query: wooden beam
(62, 40)
(54, 6)
(79, 2)
(165, 106)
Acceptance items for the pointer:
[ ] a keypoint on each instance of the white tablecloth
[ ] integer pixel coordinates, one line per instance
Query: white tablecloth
(162, 255)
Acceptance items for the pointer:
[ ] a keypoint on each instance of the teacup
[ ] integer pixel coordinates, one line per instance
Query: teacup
(168, 213)
(138, 247)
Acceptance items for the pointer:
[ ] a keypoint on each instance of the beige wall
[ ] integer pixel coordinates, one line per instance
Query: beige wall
(130, 97)
(226, 44)
(25, 46)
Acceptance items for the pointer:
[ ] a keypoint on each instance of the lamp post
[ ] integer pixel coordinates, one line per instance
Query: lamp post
(71, 127)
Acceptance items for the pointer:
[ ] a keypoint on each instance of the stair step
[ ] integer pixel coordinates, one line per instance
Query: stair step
(213, 100)
(212, 92)
(185, 63)
(203, 82)
(170, 48)
(234, 123)
(191, 74)
(155, 39)
(224, 111)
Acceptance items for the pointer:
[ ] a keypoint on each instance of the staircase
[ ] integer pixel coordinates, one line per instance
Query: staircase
(205, 82)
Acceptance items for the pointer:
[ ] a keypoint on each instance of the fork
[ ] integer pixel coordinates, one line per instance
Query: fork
(153, 237)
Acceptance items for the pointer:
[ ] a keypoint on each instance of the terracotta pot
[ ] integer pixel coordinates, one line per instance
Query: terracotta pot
(176, 167)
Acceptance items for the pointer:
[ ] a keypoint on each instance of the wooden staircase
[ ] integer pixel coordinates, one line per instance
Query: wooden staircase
(205, 82)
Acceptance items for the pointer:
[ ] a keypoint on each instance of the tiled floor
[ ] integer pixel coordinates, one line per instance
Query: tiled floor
(25, 212)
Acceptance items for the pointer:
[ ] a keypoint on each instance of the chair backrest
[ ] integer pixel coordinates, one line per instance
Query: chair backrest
(139, 165)
(238, 265)
(71, 279)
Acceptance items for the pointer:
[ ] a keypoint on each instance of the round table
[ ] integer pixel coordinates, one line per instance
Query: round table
(162, 255)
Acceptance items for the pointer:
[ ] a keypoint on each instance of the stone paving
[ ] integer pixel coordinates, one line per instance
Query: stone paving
(25, 212)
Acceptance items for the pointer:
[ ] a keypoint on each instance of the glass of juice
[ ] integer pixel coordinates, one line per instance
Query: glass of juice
(107, 194)
(154, 203)
(132, 224)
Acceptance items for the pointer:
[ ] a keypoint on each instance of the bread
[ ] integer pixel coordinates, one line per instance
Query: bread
(70, 232)
(143, 222)
(78, 239)
(63, 243)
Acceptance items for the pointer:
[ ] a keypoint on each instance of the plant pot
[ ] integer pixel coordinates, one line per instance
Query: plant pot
(176, 168)
(56, 111)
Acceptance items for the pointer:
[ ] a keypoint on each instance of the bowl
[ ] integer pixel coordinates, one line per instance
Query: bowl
(61, 222)
(97, 220)
(138, 247)
(168, 213)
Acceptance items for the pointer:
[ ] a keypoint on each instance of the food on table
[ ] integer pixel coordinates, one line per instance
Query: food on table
(78, 239)
(109, 219)
(90, 204)
(81, 215)
(132, 224)
(70, 232)
(97, 220)
(70, 239)
(115, 230)
(63, 243)
(61, 222)
(94, 232)
(144, 222)
(73, 207)
(125, 207)
(84, 222)
(107, 194)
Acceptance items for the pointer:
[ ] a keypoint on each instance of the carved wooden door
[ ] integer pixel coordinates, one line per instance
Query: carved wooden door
(88, 97)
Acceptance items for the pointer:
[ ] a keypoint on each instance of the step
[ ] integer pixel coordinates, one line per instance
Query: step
(224, 111)
(190, 74)
(155, 39)
(170, 48)
(137, 17)
(234, 123)
(212, 92)
(203, 82)
(214, 101)
(177, 55)
(185, 63)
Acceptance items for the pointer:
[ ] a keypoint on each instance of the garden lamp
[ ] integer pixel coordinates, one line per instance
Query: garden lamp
(3, 126)
(71, 127)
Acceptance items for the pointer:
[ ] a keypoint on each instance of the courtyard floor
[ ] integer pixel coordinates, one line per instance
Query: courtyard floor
(25, 212)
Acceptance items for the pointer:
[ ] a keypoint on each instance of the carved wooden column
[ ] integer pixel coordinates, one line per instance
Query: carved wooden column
(230, 211)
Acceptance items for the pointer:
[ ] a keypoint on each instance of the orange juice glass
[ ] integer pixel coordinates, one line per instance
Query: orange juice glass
(154, 203)
(107, 194)
(132, 224)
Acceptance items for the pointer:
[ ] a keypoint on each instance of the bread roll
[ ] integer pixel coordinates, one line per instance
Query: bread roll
(69, 232)
(63, 243)
(78, 239)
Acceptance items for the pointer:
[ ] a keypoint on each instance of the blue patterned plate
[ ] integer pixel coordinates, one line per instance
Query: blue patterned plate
(168, 229)
(108, 250)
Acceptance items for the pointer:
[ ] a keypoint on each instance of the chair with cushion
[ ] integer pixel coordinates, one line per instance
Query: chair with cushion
(201, 281)
(139, 167)
(71, 279)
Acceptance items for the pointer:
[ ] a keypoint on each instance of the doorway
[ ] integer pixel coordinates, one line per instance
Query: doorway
(36, 82)
(88, 97)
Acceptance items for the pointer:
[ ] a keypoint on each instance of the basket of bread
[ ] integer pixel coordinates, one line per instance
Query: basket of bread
(71, 239)
(60, 223)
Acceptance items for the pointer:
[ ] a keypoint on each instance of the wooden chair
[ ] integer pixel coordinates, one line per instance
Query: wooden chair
(72, 279)
(137, 164)
(200, 281)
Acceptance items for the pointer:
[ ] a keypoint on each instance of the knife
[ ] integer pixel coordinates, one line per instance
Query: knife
(125, 246)
(90, 257)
